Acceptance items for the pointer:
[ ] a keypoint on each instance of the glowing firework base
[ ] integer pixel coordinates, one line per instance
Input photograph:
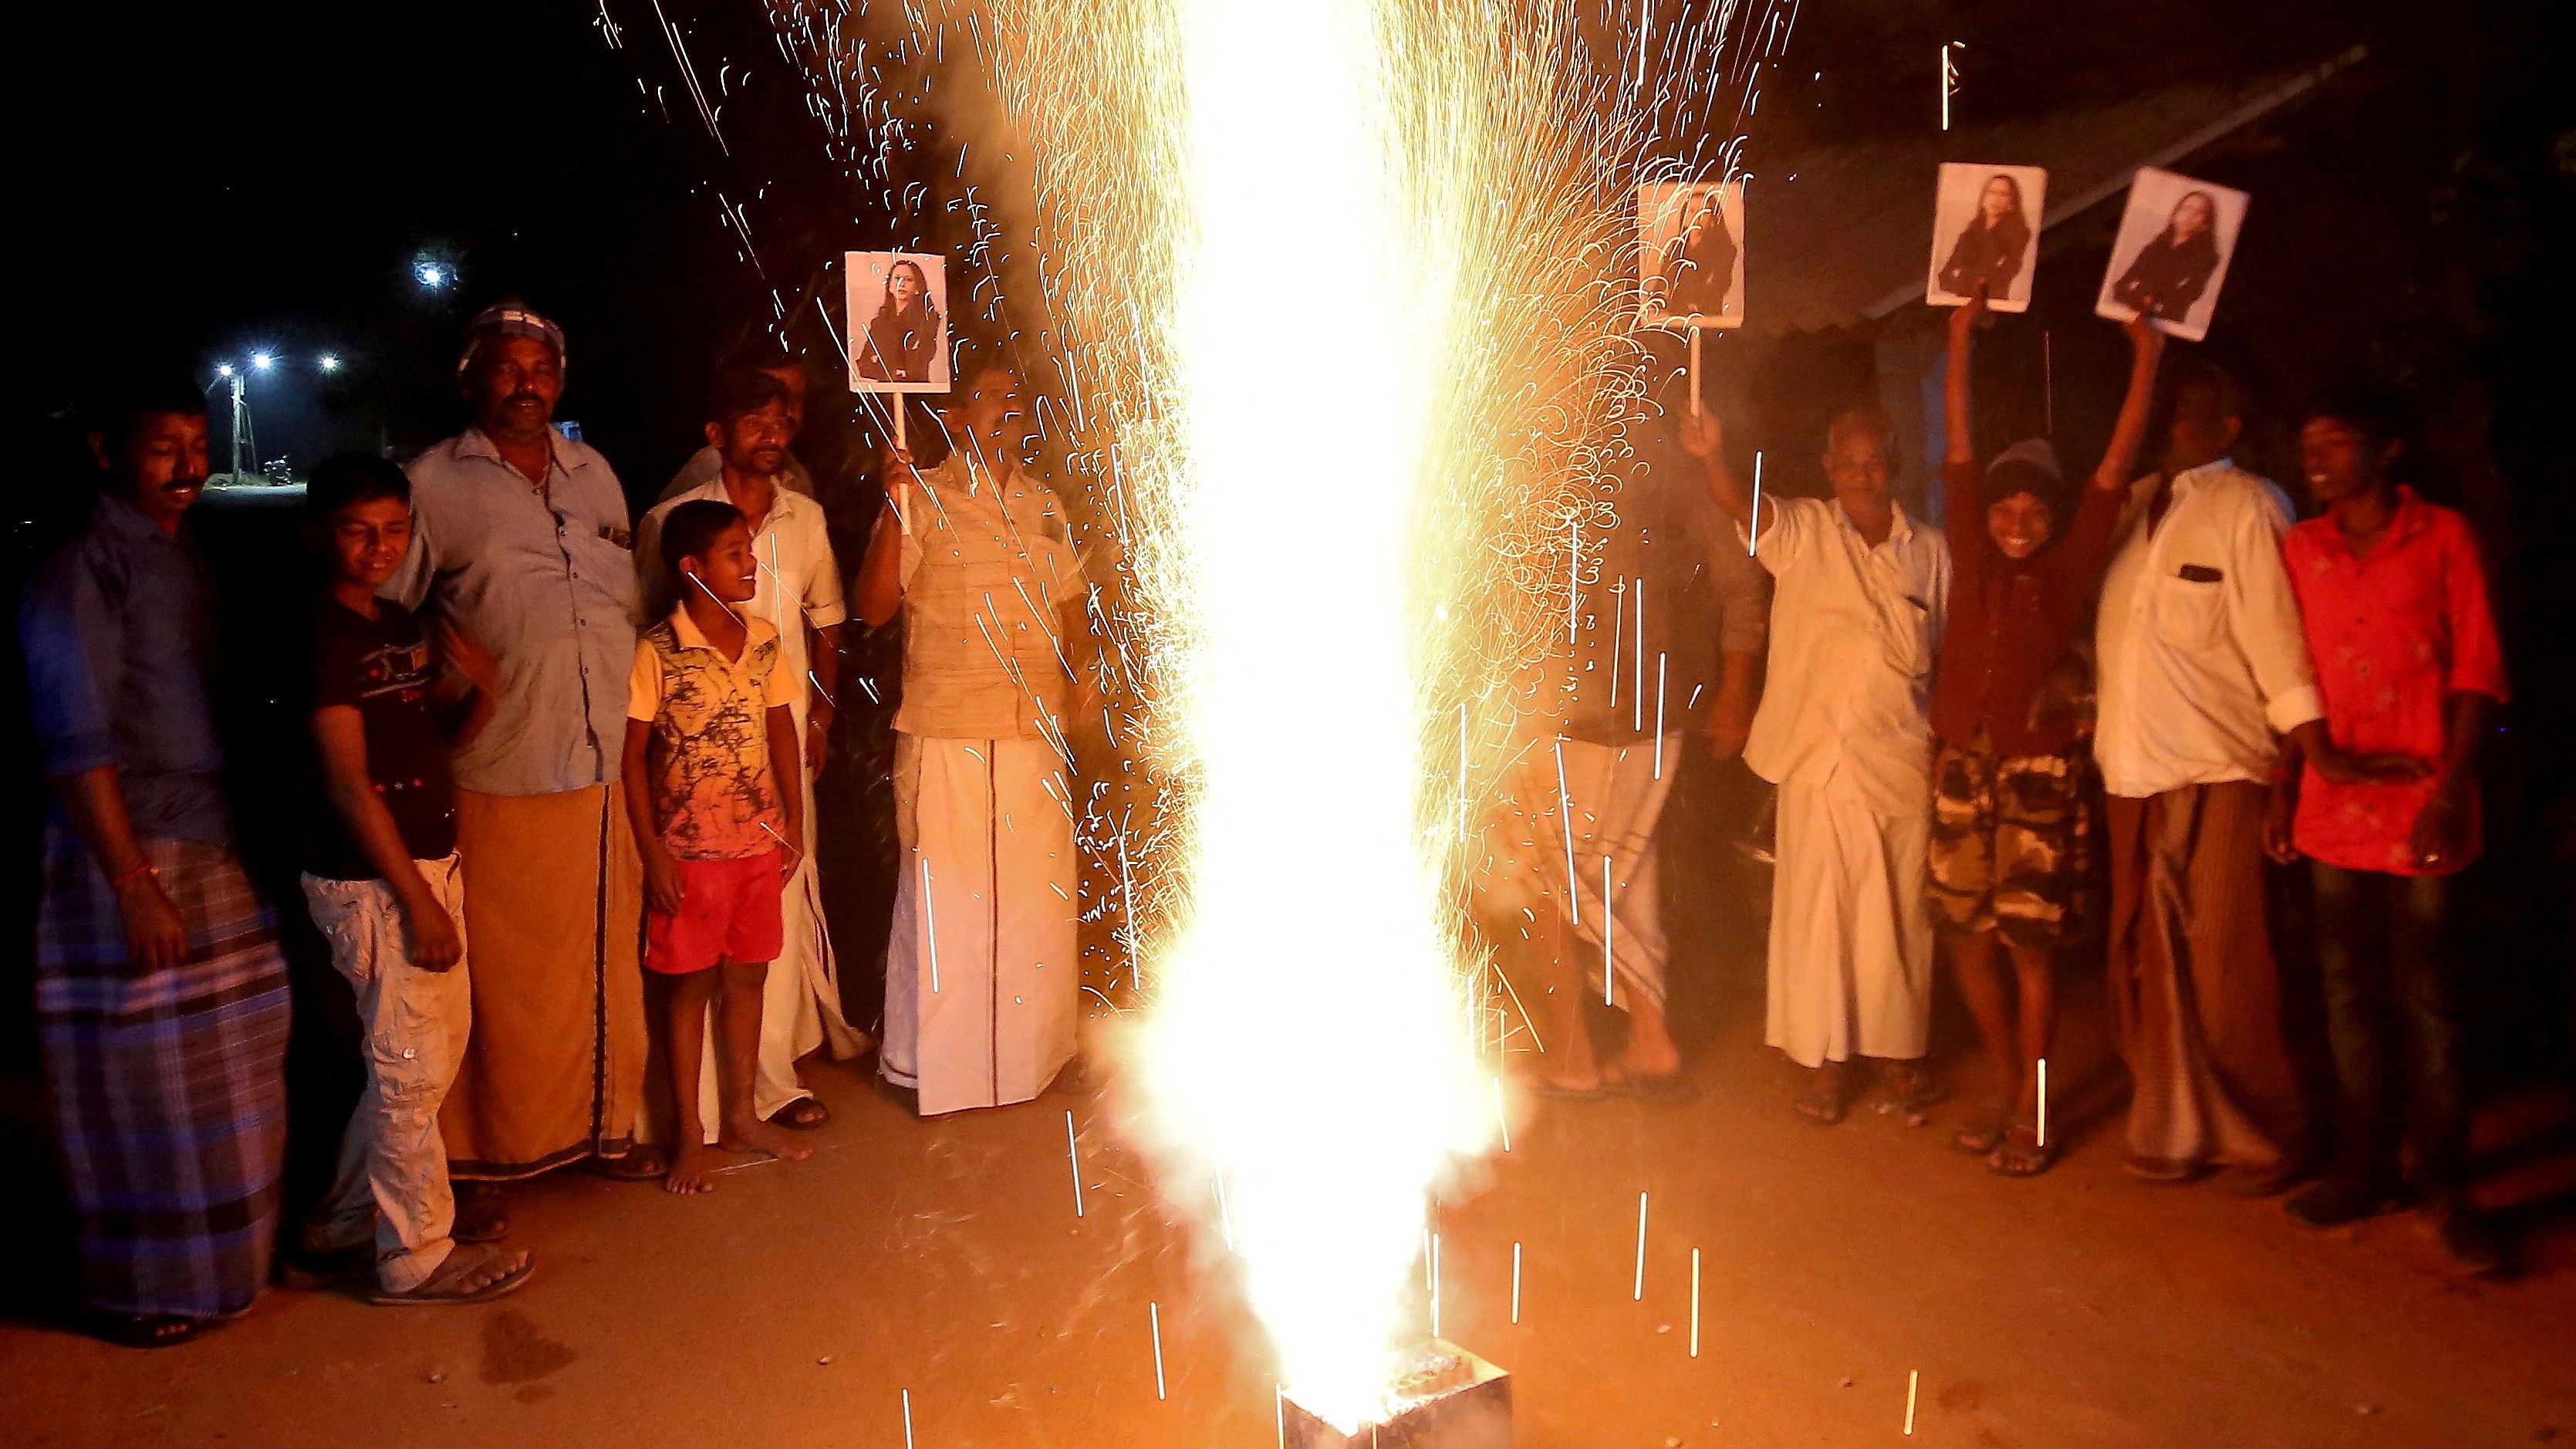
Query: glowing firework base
(1451, 1399)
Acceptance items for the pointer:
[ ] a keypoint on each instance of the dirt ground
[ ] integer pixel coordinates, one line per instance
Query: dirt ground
(939, 1266)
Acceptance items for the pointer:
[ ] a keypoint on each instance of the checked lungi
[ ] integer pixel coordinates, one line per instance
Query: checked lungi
(167, 1087)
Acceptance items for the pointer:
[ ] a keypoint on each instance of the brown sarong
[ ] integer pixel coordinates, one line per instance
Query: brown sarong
(2194, 991)
(554, 902)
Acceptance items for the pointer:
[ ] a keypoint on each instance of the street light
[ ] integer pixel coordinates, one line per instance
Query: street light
(330, 362)
(431, 275)
(263, 360)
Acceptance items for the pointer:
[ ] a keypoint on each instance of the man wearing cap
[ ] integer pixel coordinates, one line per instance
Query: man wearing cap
(521, 538)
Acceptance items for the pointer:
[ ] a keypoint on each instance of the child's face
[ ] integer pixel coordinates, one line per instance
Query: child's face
(2020, 525)
(727, 569)
(368, 540)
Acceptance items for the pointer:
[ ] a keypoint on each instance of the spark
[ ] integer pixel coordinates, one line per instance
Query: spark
(1502, 1122)
(1565, 817)
(1753, 525)
(1638, 1293)
(1155, 1313)
(1913, 1379)
(1073, 1154)
(2043, 1101)
(930, 925)
(1659, 714)
(907, 1419)
(1516, 1282)
(1694, 1303)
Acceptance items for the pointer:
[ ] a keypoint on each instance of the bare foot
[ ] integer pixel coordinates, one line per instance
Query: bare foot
(692, 1169)
(758, 1136)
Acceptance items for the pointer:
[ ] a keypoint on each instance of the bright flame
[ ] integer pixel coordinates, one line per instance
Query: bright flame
(1342, 280)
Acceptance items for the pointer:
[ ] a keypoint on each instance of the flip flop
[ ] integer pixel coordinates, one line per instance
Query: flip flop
(805, 1114)
(637, 1164)
(441, 1289)
(1824, 1103)
(1984, 1132)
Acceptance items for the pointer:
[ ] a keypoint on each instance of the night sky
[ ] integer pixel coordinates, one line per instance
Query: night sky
(214, 179)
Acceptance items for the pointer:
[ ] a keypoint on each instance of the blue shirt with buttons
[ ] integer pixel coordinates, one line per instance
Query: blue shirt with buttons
(118, 633)
(544, 578)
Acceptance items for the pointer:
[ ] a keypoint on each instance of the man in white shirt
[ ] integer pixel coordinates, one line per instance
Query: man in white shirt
(799, 595)
(1843, 731)
(2202, 663)
(707, 464)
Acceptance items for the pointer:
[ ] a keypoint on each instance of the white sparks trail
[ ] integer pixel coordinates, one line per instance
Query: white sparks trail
(1694, 1303)
(1913, 1378)
(1073, 1154)
(1659, 714)
(1154, 1316)
(2043, 1101)
(1516, 1282)
(907, 1419)
(1637, 701)
(930, 925)
(1502, 1122)
(1608, 917)
(1638, 1292)
(1435, 1285)
(1279, 1412)
(1753, 526)
(1565, 817)
(1461, 169)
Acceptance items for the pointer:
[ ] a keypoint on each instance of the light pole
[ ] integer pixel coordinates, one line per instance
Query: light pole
(226, 373)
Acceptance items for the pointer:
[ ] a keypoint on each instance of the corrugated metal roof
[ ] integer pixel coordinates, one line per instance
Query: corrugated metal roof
(1840, 235)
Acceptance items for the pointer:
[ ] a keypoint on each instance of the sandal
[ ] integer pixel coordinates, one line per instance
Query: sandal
(1825, 1102)
(636, 1164)
(1984, 1133)
(802, 1115)
(2020, 1154)
(443, 1287)
(150, 1330)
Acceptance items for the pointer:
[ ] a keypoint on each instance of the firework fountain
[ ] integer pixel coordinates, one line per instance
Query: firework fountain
(1339, 292)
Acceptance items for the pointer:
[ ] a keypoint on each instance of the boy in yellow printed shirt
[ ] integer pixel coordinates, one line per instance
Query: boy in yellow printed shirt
(710, 736)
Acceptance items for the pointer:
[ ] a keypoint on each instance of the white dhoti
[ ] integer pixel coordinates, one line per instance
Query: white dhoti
(983, 973)
(1616, 795)
(1851, 934)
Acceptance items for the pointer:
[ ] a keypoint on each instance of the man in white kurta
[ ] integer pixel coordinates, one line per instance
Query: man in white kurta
(982, 968)
(800, 591)
(1844, 731)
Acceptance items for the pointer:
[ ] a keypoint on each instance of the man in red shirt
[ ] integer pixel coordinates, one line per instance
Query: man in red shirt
(2394, 601)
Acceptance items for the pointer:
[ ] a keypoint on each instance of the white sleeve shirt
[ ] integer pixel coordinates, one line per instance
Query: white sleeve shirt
(1853, 633)
(2199, 645)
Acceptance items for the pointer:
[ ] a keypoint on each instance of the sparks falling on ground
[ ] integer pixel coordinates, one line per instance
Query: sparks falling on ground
(1344, 280)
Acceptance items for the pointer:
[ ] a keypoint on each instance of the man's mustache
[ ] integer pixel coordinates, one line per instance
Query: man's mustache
(516, 398)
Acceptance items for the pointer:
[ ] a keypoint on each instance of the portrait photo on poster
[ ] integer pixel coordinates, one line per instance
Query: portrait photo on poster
(898, 321)
(2172, 252)
(1690, 254)
(1985, 228)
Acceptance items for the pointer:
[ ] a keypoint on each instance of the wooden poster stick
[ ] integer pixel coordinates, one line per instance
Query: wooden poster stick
(896, 401)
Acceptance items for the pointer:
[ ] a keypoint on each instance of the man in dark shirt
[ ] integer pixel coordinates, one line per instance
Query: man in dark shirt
(387, 890)
(161, 998)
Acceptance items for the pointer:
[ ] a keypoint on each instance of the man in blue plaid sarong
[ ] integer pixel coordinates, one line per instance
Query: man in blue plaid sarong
(161, 998)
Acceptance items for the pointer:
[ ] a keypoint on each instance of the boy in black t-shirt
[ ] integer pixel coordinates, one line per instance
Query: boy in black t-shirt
(382, 877)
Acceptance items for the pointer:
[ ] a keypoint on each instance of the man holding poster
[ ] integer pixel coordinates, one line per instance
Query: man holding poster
(983, 970)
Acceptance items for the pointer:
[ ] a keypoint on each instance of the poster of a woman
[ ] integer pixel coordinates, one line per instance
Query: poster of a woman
(1690, 255)
(898, 321)
(1985, 229)
(2176, 238)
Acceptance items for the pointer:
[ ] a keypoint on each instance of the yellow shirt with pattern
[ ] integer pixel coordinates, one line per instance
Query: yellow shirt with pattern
(715, 793)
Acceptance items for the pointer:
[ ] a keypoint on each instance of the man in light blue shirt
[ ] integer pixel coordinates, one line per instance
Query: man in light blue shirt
(521, 539)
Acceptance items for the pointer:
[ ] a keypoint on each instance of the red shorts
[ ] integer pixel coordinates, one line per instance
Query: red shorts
(728, 911)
